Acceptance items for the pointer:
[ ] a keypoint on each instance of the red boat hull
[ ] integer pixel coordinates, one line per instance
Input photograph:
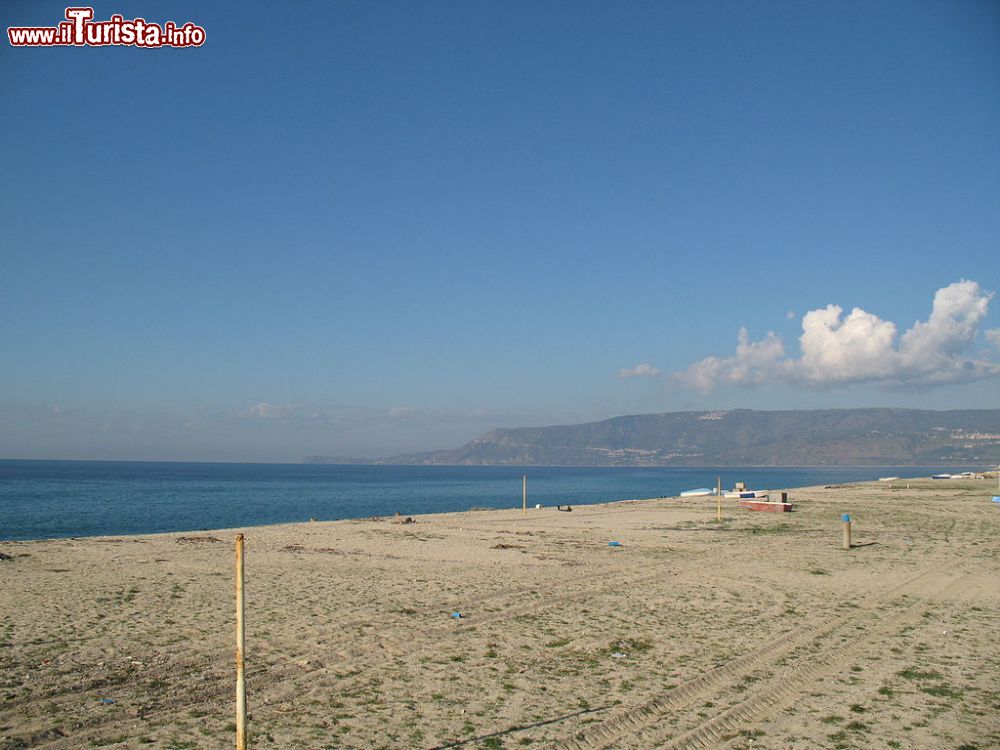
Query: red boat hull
(767, 507)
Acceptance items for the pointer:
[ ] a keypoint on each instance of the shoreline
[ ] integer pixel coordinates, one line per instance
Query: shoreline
(351, 642)
(474, 504)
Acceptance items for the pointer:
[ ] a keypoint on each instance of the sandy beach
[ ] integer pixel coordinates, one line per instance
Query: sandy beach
(758, 631)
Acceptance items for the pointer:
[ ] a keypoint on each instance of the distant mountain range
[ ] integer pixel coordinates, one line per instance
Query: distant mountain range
(741, 437)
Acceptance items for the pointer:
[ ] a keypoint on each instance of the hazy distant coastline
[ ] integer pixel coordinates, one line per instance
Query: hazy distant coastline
(738, 437)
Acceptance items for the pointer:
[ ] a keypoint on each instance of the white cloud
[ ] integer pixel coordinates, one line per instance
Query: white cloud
(343, 415)
(264, 410)
(931, 352)
(755, 362)
(861, 348)
(993, 336)
(642, 370)
(853, 348)
(790, 315)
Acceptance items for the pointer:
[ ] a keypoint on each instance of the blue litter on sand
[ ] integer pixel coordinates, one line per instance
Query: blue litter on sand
(846, 517)
(996, 498)
(614, 544)
(457, 615)
(108, 701)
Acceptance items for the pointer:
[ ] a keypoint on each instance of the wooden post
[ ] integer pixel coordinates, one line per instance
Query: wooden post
(718, 499)
(524, 495)
(241, 688)
(846, 518)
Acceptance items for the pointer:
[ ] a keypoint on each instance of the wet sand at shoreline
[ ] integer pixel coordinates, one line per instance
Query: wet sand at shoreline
(759, 631)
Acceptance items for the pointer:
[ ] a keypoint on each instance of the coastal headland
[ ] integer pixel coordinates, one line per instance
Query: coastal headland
(498, 629)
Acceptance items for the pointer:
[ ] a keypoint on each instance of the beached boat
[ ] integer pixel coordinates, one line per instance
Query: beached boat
(940, 476)
(887, 479)
(746, 494)
(700, 492)
(767, 506)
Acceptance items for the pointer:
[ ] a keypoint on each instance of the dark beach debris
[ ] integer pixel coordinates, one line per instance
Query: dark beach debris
(501, 545)
(197, 539)
(5, 556)
(293, 548)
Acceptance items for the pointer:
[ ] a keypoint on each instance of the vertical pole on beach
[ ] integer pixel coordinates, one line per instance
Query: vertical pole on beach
(241, 687)
(846, 518)
(718, 498)
(524, 495)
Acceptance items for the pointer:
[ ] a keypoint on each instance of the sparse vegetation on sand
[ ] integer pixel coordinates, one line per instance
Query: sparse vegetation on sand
(757, 631)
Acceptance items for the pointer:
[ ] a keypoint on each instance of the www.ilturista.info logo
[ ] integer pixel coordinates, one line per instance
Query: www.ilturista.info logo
(80, 30)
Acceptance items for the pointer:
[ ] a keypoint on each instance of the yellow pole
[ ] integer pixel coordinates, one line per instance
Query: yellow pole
(241, 687)
(718, 496)
(524, 495)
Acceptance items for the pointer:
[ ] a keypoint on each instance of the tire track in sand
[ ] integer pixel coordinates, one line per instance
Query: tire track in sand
(637, 721)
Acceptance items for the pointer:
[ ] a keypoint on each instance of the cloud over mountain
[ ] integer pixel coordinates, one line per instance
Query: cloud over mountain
(861, 347)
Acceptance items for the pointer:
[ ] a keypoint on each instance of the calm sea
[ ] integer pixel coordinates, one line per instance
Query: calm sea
(43, 499)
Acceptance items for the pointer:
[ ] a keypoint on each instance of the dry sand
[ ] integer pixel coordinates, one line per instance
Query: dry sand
(759, 631)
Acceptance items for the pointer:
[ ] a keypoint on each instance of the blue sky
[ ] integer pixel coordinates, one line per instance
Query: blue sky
(371, 227)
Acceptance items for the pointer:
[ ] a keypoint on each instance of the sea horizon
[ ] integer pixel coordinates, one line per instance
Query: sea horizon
(377, 462)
